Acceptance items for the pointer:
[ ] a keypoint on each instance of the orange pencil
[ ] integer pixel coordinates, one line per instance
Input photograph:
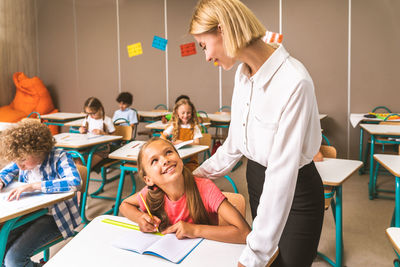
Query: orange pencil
(147, 208)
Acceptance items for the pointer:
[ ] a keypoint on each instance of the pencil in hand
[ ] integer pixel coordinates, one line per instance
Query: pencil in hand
(147, 208)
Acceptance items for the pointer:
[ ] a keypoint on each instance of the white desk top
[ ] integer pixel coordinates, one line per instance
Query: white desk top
(390, 162)
(335, 171)
(75, 123)
(322, 116)
(223, 117)
(77, 140)
(93, 247)
(130, 151)
(62, 116)
(152, 114)
(6, 125)
(159, 125)
(394, 236)
(27, 204)
(356, 118)
(381, 129)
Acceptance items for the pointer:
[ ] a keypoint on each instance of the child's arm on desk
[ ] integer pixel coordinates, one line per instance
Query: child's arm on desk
(130, 209)
(235, 231)
(9, 173)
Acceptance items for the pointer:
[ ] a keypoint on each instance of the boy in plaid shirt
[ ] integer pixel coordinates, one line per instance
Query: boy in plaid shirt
(34, 161)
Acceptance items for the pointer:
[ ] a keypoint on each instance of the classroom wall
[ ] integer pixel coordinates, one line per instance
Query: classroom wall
(18, 50)
(82, 52)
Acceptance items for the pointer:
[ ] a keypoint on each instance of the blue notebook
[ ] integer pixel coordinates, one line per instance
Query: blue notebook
(167, 246)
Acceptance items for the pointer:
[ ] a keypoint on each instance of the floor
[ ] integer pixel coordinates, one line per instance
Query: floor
(364, 220)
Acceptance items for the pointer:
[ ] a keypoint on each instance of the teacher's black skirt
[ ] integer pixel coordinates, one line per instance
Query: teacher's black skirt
(299, 241)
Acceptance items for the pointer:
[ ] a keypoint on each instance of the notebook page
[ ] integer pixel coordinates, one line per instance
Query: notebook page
(173, 249)
(136, 241)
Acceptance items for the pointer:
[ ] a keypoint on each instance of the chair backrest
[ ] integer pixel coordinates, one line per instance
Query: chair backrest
(83, 174)
(161, 107)
(227, 108)
(237, 200)
(205, 140)
(125, 131)
(328, 151)
(382, 107)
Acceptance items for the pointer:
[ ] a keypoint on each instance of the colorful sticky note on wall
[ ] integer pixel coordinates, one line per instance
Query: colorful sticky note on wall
(159, 43)
(273, 37)
(135, 49)
(188, 49)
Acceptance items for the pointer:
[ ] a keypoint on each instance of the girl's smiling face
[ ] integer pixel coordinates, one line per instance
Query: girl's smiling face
(162, 164)
(184, 113)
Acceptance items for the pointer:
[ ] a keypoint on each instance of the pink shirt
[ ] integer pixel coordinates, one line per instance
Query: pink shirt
(177, 210)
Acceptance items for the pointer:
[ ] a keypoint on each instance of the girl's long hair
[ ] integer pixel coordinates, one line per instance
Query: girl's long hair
(94, 104)
(156, 197)
(176, 122)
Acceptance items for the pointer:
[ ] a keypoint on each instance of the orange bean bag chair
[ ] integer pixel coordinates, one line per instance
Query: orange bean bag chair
(31, 95)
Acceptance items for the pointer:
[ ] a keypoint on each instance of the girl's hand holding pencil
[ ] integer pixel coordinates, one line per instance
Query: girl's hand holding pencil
(148, 222)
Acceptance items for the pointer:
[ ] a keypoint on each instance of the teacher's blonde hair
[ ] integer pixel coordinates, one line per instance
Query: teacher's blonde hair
(239, 25)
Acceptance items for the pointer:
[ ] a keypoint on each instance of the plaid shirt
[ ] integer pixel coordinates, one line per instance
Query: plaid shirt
(59, 175)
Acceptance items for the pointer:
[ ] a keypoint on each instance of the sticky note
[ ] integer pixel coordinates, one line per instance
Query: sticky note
(188, 49)
(159, 43)
(135, 49)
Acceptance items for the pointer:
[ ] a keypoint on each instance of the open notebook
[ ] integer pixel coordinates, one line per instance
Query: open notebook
(167, 246)
(184, 143)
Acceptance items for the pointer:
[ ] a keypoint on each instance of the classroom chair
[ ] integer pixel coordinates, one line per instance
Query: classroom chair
(149, 133)
(385, 141)
(364, 158)
(237, 200)
(126, 132)
(46, 248)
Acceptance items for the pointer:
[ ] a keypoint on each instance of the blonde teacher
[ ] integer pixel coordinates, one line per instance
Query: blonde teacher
(275, 125)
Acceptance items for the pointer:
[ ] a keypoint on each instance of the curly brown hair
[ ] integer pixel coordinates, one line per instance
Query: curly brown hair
(25, 139)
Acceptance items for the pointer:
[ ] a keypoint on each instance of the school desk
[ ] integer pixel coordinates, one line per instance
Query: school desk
(356, 119)
(130, 152)
(392, 164)
(375, 130)
(334, 172)
(79, 142)
(74, 125)
(393, 234)
(151, 116)
(322, 116)
(14, 214)
(159, 126)
(92, 246)
(60, 118)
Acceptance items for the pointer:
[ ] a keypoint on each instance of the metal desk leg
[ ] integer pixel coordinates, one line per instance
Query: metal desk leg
(360, 156)
(84, 197)
(339, 227)
(5, 231)
(371, 168)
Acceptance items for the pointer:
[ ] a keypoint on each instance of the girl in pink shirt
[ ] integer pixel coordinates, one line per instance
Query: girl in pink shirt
(180, 203)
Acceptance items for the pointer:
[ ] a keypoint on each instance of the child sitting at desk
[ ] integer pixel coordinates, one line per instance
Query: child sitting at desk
(182, 204)
(34, 161)
(125, 100)
(184, 126)
(96, 122)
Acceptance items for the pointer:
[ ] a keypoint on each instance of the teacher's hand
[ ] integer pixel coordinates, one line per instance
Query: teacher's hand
(240, 265)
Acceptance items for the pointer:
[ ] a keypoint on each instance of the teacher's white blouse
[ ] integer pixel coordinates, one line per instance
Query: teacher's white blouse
(274, 122)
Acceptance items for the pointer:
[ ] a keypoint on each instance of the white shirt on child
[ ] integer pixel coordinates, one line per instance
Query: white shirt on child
(34, 175)
(274, 122)
(94, 124)
(196, 133)
(128, 114)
